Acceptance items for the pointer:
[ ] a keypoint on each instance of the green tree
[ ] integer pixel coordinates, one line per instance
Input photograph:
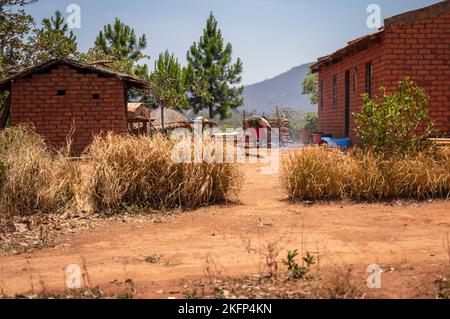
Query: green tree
(167, 83)
(398, 124)
(310, 86)
(120, 41)
(53, 40)
(15, 25)
(210, 67)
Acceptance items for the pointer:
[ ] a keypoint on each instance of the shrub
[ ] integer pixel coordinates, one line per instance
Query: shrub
(35, 180)
(140, 171)
(399, 124)
(319, 174)
(311, 122)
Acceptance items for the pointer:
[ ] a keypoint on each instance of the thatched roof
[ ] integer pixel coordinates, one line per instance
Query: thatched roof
(172, 118)
(138, 110)
(50, 64)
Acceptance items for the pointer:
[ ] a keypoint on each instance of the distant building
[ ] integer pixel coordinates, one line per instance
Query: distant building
(414, 44)
(59, 96)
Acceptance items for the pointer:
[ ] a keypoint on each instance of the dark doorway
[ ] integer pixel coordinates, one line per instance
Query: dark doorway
(347, 104)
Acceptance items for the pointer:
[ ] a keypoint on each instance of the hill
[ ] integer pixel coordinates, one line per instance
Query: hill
(282, 90)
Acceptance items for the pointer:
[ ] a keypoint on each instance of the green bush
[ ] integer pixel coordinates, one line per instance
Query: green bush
(311, 122)
(397, 124)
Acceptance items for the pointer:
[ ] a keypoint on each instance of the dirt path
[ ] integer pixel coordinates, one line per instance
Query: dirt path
(408, 239)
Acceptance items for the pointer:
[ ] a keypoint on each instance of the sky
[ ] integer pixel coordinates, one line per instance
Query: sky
(270, 36)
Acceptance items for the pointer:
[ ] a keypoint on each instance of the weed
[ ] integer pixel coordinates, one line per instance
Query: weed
(153, 259)
(298, 271)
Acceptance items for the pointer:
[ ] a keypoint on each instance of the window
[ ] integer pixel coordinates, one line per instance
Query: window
(322, 101)
(355, 80)
(60, 92)
(369, 78)
(96, 96)
(335, 91)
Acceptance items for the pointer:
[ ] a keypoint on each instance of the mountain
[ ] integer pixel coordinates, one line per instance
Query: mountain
(282, 90)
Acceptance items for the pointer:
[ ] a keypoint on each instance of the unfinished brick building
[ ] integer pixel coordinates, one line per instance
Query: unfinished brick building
(415, 44)
(59, 96)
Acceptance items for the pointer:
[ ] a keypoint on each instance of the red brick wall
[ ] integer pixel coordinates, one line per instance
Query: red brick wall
(331, 119)
(422, 51)
(34, 101)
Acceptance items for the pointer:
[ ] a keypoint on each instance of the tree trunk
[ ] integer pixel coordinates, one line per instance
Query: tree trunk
(163, 128)
(211, 112)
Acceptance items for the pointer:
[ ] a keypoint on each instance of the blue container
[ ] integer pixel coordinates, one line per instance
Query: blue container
(337, 142)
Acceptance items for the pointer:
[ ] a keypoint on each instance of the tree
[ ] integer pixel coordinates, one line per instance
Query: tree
(53, 40)
(15, 25)
(397, 125)
(310, 86)
(167, 84)
(167, 81)
(210, 65)
(120, 41)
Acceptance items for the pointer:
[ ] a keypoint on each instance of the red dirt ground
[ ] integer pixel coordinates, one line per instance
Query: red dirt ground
(406, 239)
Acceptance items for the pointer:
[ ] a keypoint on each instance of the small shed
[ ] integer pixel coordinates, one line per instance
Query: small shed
(139, 119)
(172, 119)
(60, 96)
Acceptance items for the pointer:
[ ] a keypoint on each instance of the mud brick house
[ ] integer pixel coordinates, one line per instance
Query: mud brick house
(414, 44)
(60, 96)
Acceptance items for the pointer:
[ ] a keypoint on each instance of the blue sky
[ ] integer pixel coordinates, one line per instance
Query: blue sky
(270, 36)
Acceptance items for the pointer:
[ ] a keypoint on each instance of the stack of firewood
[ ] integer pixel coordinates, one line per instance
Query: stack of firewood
(283, 126)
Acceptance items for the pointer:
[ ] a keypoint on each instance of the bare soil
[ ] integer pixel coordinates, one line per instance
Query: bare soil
(163, 256)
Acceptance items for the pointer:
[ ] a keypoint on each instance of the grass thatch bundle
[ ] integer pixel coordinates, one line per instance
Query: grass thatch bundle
(139, 171)
(34, 179)
(321, 174)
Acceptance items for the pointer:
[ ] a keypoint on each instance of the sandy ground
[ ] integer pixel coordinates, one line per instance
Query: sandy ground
(406, 239)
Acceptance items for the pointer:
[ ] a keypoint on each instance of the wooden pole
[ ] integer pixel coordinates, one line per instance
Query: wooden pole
(279, 124)
(163, 129)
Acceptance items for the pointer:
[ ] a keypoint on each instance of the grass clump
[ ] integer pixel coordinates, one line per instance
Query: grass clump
(128, 170)
(34, 179)
(320, 174)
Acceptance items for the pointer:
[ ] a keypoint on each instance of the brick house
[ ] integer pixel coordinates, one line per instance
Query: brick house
(414, 44)
(58, 96)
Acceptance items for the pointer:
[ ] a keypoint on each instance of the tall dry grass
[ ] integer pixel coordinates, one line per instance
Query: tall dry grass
(321, 174)
(35, 179)
(140, 171)
(117, 172)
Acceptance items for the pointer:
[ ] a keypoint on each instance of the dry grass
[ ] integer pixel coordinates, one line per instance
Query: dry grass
(320, 174)
(118, 172)
(35, 179)
(140, 171)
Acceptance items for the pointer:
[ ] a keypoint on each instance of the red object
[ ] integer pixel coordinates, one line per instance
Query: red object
(305, 137)
(317, 138)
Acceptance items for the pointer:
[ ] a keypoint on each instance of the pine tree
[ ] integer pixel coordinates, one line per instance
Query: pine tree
(210, 61)
(119, 41)
(53, 40)
(15, 24)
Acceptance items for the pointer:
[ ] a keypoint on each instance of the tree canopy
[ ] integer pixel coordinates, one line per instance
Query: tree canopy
(210, 62)
(310, 86)
(120, 41)
(53, 40)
